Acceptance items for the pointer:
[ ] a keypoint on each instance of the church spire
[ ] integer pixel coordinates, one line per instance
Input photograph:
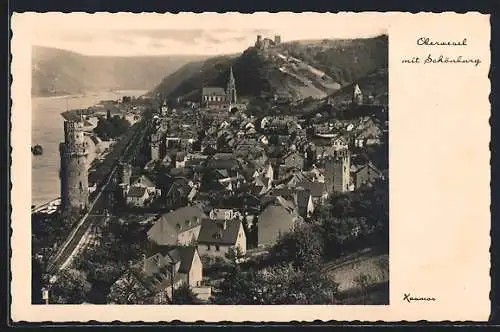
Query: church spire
(231, 87)
(231, 76)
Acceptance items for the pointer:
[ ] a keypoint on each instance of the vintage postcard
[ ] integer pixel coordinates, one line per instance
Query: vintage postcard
(264, 167)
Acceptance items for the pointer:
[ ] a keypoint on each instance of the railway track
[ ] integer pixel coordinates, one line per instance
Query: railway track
(74, 241)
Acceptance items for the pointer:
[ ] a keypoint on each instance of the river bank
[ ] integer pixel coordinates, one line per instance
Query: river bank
(48, 131)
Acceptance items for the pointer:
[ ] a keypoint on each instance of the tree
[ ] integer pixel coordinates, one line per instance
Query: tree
(284, 284)
(71, 287)
(280, 284)
(234, 254)
(303, 247)
(128, 290)
(184, 295)
(238, 287)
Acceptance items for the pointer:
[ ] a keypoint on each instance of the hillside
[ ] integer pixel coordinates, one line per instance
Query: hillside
(56, 72)
(345, 61)
(374, 84)
(297, 69)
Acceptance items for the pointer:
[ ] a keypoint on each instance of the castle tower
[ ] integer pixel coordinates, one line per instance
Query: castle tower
(258, 43)
(277, 40)
(337, 171)
(231, 88)
(74, 168)
(357, 96)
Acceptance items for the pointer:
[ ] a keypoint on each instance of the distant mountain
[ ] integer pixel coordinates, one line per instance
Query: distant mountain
(297, 69)
(56, 72)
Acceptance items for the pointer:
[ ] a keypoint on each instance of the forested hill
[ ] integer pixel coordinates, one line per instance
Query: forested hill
(57, 72)
(298, 69)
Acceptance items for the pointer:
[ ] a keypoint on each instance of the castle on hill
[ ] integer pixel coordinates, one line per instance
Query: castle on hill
(265, 43)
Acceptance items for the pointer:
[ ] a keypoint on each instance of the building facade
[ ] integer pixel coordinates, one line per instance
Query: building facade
(74, 167)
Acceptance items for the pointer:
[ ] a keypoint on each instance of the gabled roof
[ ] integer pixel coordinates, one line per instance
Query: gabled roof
(223, 163)
(303, 198)
(293, 155)
(317, 189)
(262, 181)
(145, 181)
(285, 192)
(213, 91)
(212, 232)
(185, 255)
(154, 272)
(166, 229)
(136, 191)
(371, 166)
(268, 200)
(274, 219)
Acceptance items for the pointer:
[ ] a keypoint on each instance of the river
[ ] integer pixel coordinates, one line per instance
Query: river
(48, 131)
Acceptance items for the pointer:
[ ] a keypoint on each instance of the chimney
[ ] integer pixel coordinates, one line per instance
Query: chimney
(143, 263)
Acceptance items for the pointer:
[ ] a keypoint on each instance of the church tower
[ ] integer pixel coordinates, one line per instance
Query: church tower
(154, 145)
(74, 169)
(231, 88)
(125, 173)
(357, 96)
(164, 108)
(337, 171)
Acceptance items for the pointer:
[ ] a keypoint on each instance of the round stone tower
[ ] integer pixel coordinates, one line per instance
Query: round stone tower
(74, 167)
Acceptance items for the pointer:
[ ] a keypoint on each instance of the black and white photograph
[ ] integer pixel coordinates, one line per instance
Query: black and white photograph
(243, 165)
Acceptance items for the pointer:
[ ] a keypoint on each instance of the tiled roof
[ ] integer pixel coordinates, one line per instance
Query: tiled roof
(154, 272)
(212, 232)
(317, 189)
(273, 220)
(213, 91)
(223, 163)
(166, 229)
(303, 198)
(136, 191)
(143, 180)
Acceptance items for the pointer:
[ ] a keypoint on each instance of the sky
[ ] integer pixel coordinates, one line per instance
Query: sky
(127, 34)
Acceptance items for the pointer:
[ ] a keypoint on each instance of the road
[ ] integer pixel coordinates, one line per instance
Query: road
(71, 246)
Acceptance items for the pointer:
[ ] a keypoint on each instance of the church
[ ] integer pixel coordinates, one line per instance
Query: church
(216, 97)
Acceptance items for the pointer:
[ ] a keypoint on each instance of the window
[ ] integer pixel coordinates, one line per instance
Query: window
(208, 247)
(217, 248)
(81, 187)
